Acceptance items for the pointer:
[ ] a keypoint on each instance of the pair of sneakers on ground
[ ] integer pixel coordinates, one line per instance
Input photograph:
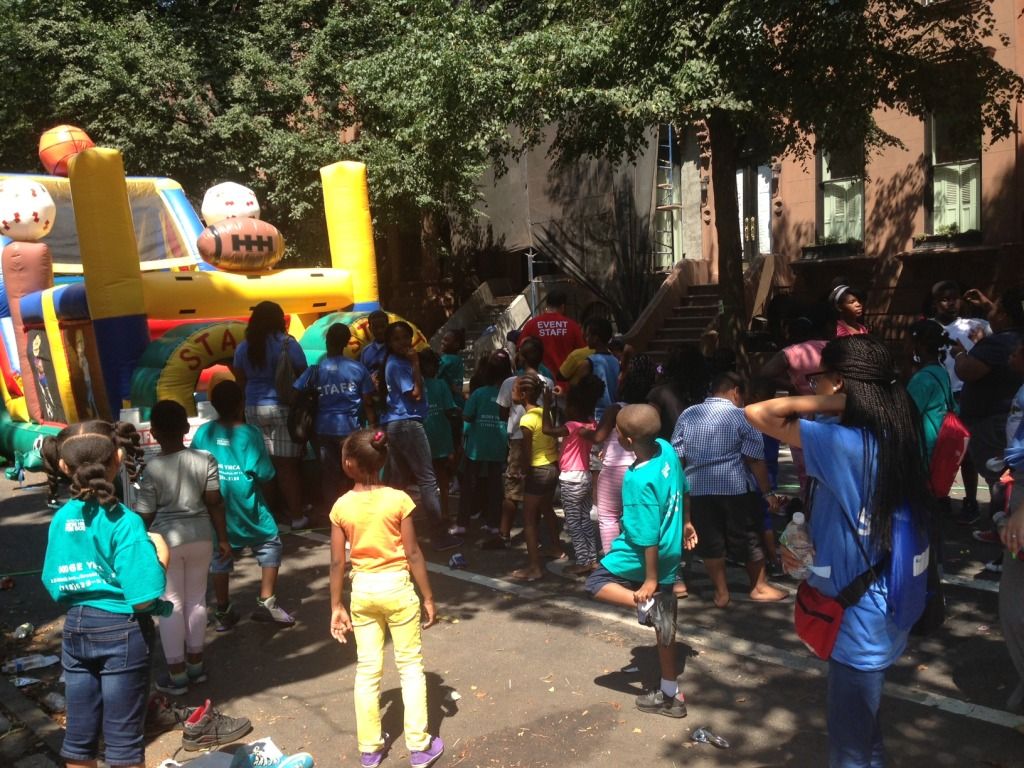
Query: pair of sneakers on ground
(417, 758)
(659, 612)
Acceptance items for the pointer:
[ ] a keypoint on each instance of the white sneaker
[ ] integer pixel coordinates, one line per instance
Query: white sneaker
(269, 610)
(300, 523)
(457, 530)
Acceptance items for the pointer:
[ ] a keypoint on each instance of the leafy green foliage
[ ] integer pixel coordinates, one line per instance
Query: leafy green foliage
(264, 92)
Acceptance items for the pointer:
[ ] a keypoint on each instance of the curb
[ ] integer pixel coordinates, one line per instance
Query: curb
(31, 716)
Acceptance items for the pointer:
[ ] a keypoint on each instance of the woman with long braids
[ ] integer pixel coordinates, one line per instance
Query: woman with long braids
(864, 468)
(255, 366)
(103, 568)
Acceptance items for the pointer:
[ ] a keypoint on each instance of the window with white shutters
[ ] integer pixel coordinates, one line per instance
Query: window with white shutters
(956, 176)
(842, 190)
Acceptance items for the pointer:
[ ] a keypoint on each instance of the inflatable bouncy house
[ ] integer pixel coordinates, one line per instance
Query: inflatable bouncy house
(114, 294)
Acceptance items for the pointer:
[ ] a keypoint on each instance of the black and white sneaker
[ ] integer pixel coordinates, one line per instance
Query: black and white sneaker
(207, 728)
(662, 617)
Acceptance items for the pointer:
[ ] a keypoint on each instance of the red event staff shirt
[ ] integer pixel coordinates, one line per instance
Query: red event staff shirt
(559, 334)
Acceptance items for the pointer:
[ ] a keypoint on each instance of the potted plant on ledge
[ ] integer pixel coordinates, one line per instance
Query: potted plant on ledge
(948, 236)
(830, 247)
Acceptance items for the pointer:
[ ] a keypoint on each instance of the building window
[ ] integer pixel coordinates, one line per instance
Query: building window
(668, 230)
(956, 174)
(842, 197)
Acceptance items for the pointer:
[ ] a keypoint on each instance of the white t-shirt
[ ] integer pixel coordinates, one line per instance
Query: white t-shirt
(960, 330)
(515, 412)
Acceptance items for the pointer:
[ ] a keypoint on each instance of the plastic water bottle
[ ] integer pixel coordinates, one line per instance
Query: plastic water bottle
(35, 661)
(798, 541)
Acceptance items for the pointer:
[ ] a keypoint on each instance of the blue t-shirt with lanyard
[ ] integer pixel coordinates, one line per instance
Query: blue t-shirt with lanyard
(341, 384)
(372, 355)
(400, 405)
(834, 454)
(260, 388)
(606, 368)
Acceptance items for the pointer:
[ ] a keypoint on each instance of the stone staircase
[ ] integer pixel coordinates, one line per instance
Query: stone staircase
(687, 322)
(493, 310)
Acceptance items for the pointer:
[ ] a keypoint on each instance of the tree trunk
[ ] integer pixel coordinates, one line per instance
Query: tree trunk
(724, 162)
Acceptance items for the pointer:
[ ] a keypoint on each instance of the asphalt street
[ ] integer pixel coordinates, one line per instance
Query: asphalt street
(533, 675)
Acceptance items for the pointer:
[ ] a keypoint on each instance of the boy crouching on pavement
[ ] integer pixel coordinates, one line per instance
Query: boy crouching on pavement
(640, 567)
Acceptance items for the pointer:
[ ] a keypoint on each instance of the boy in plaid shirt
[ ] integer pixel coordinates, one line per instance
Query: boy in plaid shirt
(724, 460)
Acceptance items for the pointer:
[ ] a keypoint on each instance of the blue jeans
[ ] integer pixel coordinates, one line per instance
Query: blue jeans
(854, 730)
(409, 459)
(106, 670)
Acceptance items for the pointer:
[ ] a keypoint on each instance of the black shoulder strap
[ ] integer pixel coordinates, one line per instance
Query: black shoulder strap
(851, 594)
(950, 403)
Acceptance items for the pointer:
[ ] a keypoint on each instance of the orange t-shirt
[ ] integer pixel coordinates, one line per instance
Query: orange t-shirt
(372, 522)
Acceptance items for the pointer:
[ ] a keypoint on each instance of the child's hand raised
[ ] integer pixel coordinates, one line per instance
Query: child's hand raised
(549, 397)
(429, 613)
(341, 624)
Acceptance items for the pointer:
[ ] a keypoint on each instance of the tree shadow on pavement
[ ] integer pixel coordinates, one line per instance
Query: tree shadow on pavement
(643, 669)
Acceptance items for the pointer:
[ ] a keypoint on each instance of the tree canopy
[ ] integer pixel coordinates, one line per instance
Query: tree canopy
(768, 78)
(264, 92)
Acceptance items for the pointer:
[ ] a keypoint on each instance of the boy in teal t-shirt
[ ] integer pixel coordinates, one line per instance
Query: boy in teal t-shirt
(443, 425)
(640, 567)
(244, 465)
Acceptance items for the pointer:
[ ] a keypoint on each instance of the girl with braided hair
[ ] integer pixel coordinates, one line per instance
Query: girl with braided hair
(101, 564)
(864, 468)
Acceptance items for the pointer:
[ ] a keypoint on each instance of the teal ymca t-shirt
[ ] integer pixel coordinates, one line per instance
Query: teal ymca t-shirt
(652, 514)
(453, 371)
(244, 464)
(101, 558)
(930, 390)
(486, 434)
(436, 425)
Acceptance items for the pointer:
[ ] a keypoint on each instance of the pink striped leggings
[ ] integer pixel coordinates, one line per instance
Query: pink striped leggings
(184, 630)
(608, 500)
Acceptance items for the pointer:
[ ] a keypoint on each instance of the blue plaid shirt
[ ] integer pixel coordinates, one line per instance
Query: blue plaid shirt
(711, 440)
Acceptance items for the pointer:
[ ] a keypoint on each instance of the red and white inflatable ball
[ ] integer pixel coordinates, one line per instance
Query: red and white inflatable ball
(241, 245)
(58, 145)
(26, 210)
(227, 201)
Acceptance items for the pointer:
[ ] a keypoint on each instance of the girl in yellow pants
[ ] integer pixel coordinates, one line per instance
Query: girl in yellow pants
(376, 521)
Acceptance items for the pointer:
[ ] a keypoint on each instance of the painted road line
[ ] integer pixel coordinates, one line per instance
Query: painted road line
(724, 643)
(970, 583)
(739, 647)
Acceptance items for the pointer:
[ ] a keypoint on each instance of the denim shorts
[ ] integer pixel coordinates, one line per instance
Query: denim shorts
(106, 670)
(601, 576)
(267, 554)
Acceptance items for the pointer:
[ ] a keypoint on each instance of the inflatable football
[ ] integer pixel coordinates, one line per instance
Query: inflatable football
(241, 245)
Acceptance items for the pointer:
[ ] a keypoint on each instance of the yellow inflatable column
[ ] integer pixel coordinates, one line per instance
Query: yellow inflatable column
(110, 264)
(350, 230)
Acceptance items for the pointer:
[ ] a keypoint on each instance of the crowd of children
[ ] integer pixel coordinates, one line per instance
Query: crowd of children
(647, 462)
